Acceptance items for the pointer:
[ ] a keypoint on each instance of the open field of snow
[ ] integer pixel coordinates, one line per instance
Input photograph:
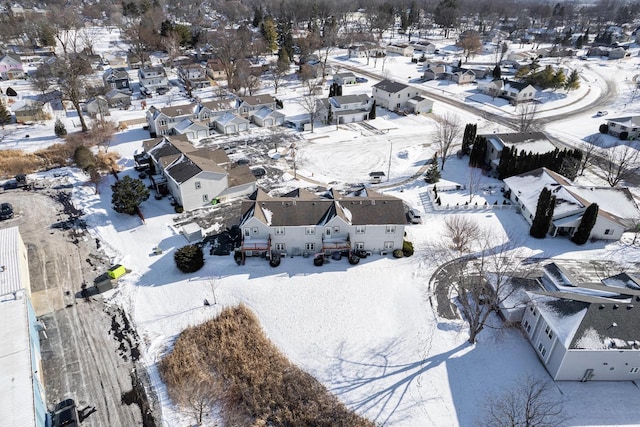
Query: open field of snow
(368, 332)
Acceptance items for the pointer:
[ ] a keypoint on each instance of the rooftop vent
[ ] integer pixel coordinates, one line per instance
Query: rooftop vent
(615, 306)
(629, 307)
(601, 306)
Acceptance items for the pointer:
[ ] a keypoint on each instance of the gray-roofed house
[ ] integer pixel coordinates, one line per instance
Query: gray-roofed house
(162, 120)
(229, 123)
(194, 76)
(585, 331)
(617, 211)
(266, 117)
(403, 49)
(419, 104)
(196, 177)
(209, 111)
(116, 78)
(153, 77)
(97, 106)
(346, 109)
(118, 99)
(29, 110)
(194, 130)
(524, 142)
(346, 78)
(515, 92)
(247, 104)
(11, 67)
(630, 124)
(393, 95)
(302, 222)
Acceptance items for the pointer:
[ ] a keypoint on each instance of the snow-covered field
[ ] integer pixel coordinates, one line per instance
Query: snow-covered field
(368, 332)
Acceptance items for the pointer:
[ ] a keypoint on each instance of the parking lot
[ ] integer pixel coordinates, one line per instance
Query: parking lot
(88, 349)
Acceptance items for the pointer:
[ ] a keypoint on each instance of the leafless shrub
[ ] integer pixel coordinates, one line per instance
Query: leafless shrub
(461, 231)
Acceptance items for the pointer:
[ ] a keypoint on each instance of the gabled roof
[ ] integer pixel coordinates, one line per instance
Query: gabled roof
(116, 73)
(630, 121)
(227, 118)
(390, 86)
(338, 101)
(258, 100)
(265, 112)
(222, 105)
(179, 110)
(189, 165)
(533, 142)
(517, 86)
(115, 93)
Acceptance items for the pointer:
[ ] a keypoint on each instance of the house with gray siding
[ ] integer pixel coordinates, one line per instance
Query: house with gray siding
(304, 223)
(585, 331)
(196, 177)
(618, 125)
(393, 95)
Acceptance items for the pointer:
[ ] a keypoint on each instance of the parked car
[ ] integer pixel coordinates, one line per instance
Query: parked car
(258, 172)
(602, 113)
(65, 414)
(243, 161)
(361, 80)
(6, 211)
(414, 216)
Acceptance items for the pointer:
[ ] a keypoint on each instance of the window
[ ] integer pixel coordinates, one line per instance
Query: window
(247, 232)
(336, 229)
(541, 349)
(309, 246)
(197, 184)
(360, 229)
(205, 198)
(279, 231)
(309, 230)
(608, 231)
(634, 370)
(549, 332)
(162, 122)
(389, 229)
(327, 231)
(254, 230)
(280, 247)
(388, 245)
(359, 245)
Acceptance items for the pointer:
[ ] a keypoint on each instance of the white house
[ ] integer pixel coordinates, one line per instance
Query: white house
(153, 77)
(230, 123)
(196, 177)
(419, 104)
(97, 106)
(617, 209)
(194, 130)
(585, 331)
(393, 95)
(346, 109)
(162, 120)
(11, 67)
(23, 401)
(194, 76)
(209, 111)
(346, 78)
(302, 222)
(524, 142)
(424, 46)
(630, 125)
(248, 104)
(400, 49)
(515, 92)
(266, 117)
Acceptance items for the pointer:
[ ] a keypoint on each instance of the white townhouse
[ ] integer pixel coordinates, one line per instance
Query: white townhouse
(196, 177)
(303, 223)
(154, 77)
(393, 95)
(618, 125)
(246, 105)
(209, 111)
(345, 109)
(161, 121)
(585, 331)
(617, 211)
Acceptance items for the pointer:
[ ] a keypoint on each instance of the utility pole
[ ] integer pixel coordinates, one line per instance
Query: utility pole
(389, 168)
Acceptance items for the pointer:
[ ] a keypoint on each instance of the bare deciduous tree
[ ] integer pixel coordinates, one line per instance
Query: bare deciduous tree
(589, 148)
(476, 180)
(621, 161)
(530, 402)
(197, 396)
(461, 230)
(310, 103)
(471, 45)
(526, 115)
(447, 136)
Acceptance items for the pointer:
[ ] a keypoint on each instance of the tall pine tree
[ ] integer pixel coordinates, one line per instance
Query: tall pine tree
(433, 173)
(589, 219)
(544, 214)
(5, 115)
(469, 137)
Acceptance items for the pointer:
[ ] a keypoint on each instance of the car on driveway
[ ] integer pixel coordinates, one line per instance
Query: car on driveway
(414, 216)
(6, 211)
(258, 172)
(65, 414)
(361, 80)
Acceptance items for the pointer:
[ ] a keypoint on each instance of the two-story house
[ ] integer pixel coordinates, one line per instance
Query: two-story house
(196, 177)
(162, 120)
(345, 109)
(585, 331)
(153, 78)
(11, 67)
(215, 69)
(193, 76)
(393, 95)
(621, 126)
(617, 211)
(117, 78)
(247, 104)
(209, 111)
(524, 142)
(303, 223)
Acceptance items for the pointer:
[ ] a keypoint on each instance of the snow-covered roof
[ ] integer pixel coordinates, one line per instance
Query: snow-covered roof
(564, 316)
(528, 142)
(11, 279)
(17, 404)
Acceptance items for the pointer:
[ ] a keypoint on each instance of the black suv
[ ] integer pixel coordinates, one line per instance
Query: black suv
(6, 211)
(65, 414)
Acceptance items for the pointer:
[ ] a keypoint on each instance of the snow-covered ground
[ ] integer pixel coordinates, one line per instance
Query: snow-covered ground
(368, 332)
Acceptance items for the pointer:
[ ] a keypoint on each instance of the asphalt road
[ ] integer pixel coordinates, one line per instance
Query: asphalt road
(87, 348)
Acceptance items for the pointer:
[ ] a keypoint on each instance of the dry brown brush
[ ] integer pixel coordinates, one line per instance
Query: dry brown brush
(253, 382)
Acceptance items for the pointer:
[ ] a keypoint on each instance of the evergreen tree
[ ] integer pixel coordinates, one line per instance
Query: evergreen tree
(189, 259)
(5, 115)
(497, 72)
(329, 114)
(128, 194)
(270, 33)
(544, 213)
(469, 137)
(589, 219)
(433, 173)
(59, 129)
(372, 113)
(478, 152)
(505, 165)
(573, 81)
